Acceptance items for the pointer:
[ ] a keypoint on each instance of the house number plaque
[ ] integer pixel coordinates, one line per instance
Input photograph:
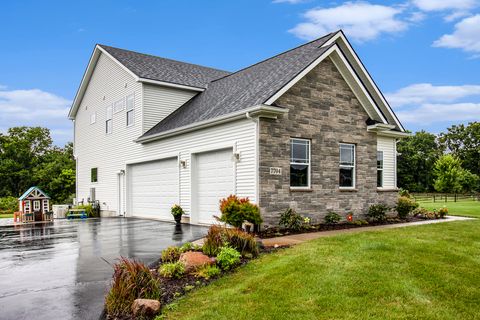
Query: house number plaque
(275, 171)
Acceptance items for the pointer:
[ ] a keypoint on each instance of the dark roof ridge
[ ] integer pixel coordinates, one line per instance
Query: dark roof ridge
(275, 56)
(158, 57)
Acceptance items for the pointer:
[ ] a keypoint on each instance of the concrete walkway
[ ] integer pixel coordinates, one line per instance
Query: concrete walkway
(302, 237)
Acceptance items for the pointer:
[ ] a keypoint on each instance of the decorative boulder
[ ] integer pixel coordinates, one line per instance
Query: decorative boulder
(193, 260)
(145, 307)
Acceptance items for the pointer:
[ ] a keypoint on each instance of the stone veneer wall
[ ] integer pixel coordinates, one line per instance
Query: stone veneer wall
(322, 108)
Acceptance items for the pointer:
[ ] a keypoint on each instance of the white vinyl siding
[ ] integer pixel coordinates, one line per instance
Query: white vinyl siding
(111, 153)
(388, 146)
(159, 102)
(130, 110)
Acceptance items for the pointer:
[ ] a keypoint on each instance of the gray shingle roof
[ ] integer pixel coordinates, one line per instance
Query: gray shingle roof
(245, 88)
(161, 69)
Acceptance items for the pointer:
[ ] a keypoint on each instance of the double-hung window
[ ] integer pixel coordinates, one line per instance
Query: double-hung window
(108, 121)
(299, 163)
(130, 110)
(347, 165)
(379, 169)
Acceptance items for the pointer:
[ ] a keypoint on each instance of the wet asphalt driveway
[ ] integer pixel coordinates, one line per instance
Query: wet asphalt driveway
(59, 270)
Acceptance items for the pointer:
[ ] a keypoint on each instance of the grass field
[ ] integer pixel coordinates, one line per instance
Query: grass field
(6, 216)
(421, 272)
(461, 208)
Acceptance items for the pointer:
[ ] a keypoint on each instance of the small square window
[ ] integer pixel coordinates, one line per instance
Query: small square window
(94, 175)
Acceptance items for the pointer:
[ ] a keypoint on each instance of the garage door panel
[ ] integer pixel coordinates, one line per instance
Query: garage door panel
(214, 181)
(154, 188)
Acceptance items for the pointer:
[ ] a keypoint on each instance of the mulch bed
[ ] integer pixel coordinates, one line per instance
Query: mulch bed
(274, 232)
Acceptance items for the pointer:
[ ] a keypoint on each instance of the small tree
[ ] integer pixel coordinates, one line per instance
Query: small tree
(451, 177)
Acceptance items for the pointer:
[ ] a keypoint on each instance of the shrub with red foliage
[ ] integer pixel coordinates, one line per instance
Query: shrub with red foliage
(236, 210)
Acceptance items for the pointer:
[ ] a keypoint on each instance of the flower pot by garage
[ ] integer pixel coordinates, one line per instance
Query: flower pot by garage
(178, 219)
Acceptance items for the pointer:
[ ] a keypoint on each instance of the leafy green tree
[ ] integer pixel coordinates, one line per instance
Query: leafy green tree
(27, 158)
(464, 142)
(417, 156)
(451, 177)
(21, 150)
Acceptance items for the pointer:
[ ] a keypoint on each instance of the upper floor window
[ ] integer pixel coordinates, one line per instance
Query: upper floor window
(94, 175)
(93, 118)
(130, 109)
(119, 105)
(108, 121)
(379, 169)
(299, 163)
(347, 165)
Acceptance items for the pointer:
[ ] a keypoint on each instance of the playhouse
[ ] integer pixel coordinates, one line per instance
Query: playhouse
(34, 205)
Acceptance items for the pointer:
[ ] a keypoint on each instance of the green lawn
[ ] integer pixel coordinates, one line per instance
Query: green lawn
(462, 208)
(6, 215)
(421, 272)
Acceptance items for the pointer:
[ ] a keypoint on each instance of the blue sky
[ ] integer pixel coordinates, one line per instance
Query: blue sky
(423, 54)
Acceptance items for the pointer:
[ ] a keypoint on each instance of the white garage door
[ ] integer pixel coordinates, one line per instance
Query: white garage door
(214, 181)
(153, 188)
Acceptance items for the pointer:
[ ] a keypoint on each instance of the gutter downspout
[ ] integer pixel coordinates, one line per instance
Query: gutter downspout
(257, 155)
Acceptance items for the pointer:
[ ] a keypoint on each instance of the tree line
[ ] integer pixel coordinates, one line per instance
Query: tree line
(447, 162)
(29, 158)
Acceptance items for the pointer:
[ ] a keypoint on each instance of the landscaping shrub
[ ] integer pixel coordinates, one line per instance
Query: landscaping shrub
(378, 212)
(188, 246)
(172, 270)
(218, 237)
(171, 254)
(404, 193)
(207, 272)
(442, 212)
(228, 258)
(332, 218)
(291, 220)
(405, 206)
(237, 210)
(8, 205)
(131, 280)
(359, 222)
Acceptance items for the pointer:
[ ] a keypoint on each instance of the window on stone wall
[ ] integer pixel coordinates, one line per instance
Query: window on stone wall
(299, 163)
(379, 169)
(347, 165)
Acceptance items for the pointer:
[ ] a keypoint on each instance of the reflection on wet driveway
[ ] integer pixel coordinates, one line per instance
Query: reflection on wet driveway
(62, 269)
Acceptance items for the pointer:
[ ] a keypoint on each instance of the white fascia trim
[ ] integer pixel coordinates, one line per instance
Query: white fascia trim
(394, 134)
(216, 121)
(340, 35)
(169, 84)
(380, 127)
(332, 49)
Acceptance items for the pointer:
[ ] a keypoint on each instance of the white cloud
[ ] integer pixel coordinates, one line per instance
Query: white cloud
(442, 5)
(466, 36)
(361, 21)
(421, 93)
(437, 113)
(35, 107)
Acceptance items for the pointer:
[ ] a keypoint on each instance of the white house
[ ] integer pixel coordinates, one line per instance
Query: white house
(307, 128)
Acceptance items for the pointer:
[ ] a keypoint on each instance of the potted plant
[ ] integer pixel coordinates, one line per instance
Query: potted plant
(177, 212)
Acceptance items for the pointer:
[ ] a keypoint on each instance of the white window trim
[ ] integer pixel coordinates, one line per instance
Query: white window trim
(110, 107)
(309, 186)
(121, 103)
(93, 118)
(93, 182)
(381, 169)
(354, 180)
(127, 111)
(36, 205)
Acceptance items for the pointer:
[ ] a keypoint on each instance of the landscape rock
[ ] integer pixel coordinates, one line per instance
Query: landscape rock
(193, 260)
(145, 307)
